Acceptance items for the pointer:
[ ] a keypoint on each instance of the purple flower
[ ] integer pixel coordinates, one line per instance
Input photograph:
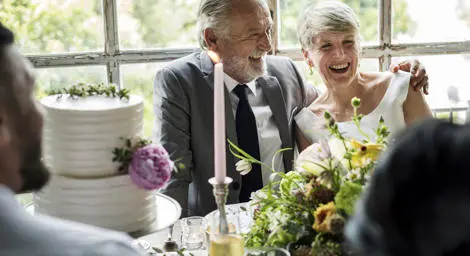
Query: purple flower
(150, 167)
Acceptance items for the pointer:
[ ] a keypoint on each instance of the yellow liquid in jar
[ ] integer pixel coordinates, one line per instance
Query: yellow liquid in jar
(228, 245)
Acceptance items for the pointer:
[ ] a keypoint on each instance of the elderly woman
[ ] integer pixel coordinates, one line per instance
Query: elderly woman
(330, 41)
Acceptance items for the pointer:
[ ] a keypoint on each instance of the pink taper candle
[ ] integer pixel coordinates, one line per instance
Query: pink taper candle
(220, 171)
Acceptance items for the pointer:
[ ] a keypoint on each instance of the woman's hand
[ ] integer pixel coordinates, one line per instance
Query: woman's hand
(419, 78)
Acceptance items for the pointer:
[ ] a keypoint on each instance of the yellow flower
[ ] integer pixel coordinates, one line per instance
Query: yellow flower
(364, 153)
(322, 216)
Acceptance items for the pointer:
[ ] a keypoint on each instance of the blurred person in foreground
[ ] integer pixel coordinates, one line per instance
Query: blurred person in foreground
(21, 170)
(418, 199)
(329, 34)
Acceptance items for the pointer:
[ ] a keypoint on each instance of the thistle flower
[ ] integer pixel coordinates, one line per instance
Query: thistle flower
(150, 167)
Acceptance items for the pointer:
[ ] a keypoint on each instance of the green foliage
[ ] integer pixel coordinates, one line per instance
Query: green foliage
(51, 26)
(347, 196)
(169, 32)
(84, 90)
(123, 155)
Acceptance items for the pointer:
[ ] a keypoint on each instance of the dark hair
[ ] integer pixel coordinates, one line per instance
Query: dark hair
(418, 199)
(6, 36)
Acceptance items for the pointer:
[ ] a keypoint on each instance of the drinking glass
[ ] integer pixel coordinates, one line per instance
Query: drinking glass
(192, 235)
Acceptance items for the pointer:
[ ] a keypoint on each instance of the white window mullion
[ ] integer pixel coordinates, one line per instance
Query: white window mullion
(111, 40)
(385, 32)
(276, 36)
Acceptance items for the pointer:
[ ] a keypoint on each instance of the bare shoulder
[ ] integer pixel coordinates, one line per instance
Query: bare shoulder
(377, 82)
(319, 106)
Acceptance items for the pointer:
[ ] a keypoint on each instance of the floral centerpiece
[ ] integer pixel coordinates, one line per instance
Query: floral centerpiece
(306, 209)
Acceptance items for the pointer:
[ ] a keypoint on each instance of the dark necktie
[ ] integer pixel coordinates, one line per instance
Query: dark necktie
(247, 135)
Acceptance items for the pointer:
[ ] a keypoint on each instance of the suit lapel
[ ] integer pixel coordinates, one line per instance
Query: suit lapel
(273, 94)
(207, 68)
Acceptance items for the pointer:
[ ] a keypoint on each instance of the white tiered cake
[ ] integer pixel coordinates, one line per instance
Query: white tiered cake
(79, 137)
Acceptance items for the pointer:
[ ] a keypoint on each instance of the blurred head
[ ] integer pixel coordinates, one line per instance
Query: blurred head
(330, 41)
(239, 31)
(418, 200)
(21, 167)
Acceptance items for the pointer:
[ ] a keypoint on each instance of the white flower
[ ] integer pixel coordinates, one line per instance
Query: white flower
(313, 159)
(353, 175)
(243, 166)
(274, 177)
(258, 196)
(337, 148)
(338, 151)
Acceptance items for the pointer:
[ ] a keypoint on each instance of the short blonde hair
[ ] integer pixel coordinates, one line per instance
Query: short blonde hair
(331, 16)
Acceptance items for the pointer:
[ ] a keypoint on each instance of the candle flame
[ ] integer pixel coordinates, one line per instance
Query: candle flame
(214, 57)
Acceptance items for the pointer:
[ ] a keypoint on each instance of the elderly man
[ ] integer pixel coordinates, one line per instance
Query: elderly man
(263, 93)
(21, 170)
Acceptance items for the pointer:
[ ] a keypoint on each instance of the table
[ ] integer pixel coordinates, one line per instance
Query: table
(234, 213)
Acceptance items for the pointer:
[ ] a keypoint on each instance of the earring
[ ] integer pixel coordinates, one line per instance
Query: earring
(310, 70)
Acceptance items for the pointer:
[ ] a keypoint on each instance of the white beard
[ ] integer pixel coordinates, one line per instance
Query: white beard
(245, 72)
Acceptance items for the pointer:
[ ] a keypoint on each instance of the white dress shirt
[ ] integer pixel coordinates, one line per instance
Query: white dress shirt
(268, 133)
(25, 234)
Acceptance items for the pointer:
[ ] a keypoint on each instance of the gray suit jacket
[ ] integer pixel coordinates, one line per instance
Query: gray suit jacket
(24, 234)
(183, 104)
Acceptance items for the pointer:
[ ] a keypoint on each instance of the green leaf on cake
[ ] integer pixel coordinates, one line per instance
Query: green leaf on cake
(85, 90)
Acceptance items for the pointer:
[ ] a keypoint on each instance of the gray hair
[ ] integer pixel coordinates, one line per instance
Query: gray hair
(215, 14)
(212, 14)
(332, 16)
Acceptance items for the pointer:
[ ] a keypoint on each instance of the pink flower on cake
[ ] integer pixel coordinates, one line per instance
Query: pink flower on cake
(150, 167)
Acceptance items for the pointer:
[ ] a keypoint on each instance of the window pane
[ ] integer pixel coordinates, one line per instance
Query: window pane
(138, 78)
(442, 76)
(47, 26)
(157, 24)
(369, 65)
(440, 21)
(367, 11)
(56, 78)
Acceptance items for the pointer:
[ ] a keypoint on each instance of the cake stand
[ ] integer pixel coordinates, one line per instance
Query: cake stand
(168, 212)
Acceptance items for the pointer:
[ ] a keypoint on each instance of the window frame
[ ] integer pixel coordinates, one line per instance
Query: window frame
(113, 56)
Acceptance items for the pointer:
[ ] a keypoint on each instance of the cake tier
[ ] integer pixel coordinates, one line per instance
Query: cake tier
(80, 134)
(114, 203)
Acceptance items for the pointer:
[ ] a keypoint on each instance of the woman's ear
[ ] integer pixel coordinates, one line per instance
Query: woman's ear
(211, 39)
(307, 58)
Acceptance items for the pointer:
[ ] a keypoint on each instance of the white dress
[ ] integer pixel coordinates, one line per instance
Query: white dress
(390, 108)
